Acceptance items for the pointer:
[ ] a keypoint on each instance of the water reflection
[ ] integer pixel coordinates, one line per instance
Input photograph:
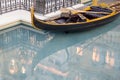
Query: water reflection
(23, 70)
(18, 46)
(53, 70)
(96, 55)
(79, 51)
(28, 54)
(13, 68)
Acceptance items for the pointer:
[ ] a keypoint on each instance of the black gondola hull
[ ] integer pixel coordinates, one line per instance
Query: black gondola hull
(73, 27)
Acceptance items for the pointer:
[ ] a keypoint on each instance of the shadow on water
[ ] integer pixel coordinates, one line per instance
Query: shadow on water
(63, 41)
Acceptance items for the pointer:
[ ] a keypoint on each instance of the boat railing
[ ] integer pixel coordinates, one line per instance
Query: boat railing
(11, 5)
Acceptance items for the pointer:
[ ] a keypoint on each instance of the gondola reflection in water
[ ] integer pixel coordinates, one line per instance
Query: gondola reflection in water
(77, 20)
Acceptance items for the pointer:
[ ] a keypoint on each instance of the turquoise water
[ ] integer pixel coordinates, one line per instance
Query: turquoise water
(29, 54)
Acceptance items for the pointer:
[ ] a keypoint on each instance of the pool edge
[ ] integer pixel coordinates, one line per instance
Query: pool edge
(11, 24)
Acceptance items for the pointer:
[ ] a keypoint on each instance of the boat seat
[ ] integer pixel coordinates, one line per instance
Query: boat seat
(82, 17)
(60, 20)
(93, 16)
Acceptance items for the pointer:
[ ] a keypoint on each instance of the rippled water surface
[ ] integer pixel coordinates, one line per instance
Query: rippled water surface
(29, 54)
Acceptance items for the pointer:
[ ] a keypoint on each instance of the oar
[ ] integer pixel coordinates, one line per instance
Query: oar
(82, 11)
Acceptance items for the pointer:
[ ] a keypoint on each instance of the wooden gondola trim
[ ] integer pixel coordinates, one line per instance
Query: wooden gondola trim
(32, 15)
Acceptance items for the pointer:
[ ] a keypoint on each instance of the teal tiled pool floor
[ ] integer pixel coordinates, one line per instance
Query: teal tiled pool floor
(28, 54)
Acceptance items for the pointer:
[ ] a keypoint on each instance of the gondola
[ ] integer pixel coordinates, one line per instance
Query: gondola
(77, 20)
